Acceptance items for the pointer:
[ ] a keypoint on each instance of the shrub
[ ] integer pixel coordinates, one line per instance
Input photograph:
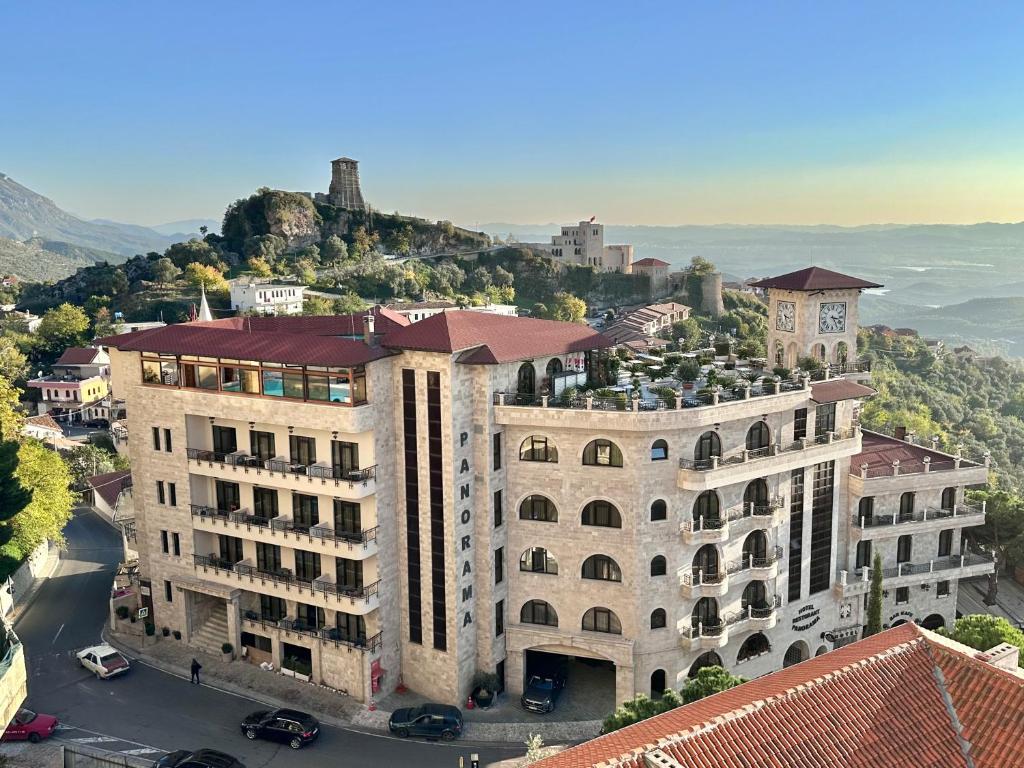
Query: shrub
(487, 681)
(688, 370)
(122, 612)
(227, 648)
(165, 632)
(782, 373)
(982, 631)
(150, 628)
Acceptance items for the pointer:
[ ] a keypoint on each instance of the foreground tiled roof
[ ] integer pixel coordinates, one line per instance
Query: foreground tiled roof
(78, 356)
(108, 486)
(904, 697)
(489, 339)
(45, 421)
(834, 390)
(814, 279)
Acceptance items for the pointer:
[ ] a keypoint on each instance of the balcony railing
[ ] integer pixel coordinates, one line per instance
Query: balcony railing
(324, 634)
(717, 627)
(320, 531)
(699, 576)
(752, 454)
(285, 576)
(951, 562)
(919, 516)
(283, 466)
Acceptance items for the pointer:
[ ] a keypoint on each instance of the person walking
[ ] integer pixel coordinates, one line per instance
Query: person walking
(196, 666)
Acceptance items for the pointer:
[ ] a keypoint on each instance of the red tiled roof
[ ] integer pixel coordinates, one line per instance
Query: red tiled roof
(879, 452)
(903, 697)
(814, 279)
(649, 262)
(834, 390)
(46, 421)
(500, 338)
(108, 486)
(78, 356)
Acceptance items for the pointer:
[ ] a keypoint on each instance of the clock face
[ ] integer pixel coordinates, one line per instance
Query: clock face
(785, 318)
(832, 317)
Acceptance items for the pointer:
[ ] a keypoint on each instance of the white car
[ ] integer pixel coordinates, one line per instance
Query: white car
(103, 661)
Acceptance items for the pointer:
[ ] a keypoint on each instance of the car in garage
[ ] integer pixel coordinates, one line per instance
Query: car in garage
(103, 661)
(200, 758)
(438, 721)
(288, 726)
(30, 726)
(542, 691)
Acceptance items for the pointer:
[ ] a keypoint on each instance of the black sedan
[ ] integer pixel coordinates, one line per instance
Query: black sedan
(288, 726)
(200, 758)
(542, 691)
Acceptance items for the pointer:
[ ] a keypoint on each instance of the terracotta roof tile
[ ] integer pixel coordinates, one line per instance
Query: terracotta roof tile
(834, 390)
(814, 279)
(78, 356)
(109, 485)
(649, 262)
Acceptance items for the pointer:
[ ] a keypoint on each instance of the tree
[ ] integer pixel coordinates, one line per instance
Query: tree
(259, 266)
(45, 474)
(304, 271)
(875, 598)
(1002, 535)
(86, 460)
(539, 310)
(334, 250)
(193, 251)
(62, 327)
(984, 631)
(317, 305)
(11, 417)
(164, 271)
(13, 363)
(707, 681)
(688, 332)
(688, 370)
(267, 247)
(502, 277)
(568, 308)
(206, 276)
(349, 304)
(103, 323)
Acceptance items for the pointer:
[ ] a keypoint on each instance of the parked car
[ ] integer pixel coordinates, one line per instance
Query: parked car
(431, 720)
(296, 729)
(200, 758)
(542, 691)
(97, 424)
(30, 725)
(103, 661)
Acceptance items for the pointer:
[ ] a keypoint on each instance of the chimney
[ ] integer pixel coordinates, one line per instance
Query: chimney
(900, 433)
(1004, 656)
(368, 335)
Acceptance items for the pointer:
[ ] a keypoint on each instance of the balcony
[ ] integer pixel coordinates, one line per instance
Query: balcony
(748, 516)
(321, 538)
(708, 637)
(756, 619)
(921, 521)
(287, 630)
(13, 675)
(322, 592)
(701, 584)
(896, 464)
(750, 568)
(745, 465)
(908, 574)
(705, 530)
(278, 472)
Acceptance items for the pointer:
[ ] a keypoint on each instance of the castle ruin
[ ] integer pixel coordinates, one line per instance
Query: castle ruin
(344, 191)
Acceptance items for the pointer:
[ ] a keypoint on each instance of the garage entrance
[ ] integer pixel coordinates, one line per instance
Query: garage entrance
(589, 692)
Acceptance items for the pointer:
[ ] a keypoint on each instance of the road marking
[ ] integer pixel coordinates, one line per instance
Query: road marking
(94, 739)
(57, 635)
(146, 751)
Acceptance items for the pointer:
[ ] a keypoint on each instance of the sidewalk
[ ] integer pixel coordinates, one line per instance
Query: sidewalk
(1009, 599)
(48, 569)
(329, 706)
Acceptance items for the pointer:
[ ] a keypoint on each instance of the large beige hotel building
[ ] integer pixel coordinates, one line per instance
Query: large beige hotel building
(384, 501)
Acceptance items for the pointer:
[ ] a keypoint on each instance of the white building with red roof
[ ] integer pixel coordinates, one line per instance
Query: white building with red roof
(656, 269)
(78, 388)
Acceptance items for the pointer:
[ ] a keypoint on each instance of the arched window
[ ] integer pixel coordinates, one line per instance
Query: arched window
(903, 549)
(796, 653)
(818, 352)
(602, 453)
(842, 352)
(538, 612)
(863, 554)
(708, 659)
(538, 448)
(822, 649)
(756, 493)
(705, 612)
(934, 621)
(706, 506)
(755, 548)
(907, 506)
(659, 510)
(658, 566)
(601, 568)
(659, 450)
(948, 498)
(526, 380)
(866, 510)
(554, 368)
(705, 562)
(708, 445)
(538, 507)
(758, 436)
(657, 683)
(755, 595)
(753, 646)
(602, 513)
(538, 560)
(658, 620)
(602, 620)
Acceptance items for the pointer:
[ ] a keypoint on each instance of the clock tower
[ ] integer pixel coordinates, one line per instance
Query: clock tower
(812, 313)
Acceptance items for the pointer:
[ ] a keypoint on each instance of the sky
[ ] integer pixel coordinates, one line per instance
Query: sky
(529, 112)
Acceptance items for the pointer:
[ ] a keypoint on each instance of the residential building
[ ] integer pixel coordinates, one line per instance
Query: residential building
(376, 500)
(645, 323)
(583, 243)
(905, 697)
(78, 387)
(421, 310)
(656, 270)
(267, 298)
(111, 497)
(43, 428)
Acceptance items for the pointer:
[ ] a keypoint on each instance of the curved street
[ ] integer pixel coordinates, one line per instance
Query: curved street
(148, 712)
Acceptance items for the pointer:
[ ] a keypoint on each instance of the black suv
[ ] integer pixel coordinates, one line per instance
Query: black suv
(432, 720)
(542, 691)
(200, 758)
(296, 729)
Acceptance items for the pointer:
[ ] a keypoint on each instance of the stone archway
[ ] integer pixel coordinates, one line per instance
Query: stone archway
(797, 652)
(934, 621)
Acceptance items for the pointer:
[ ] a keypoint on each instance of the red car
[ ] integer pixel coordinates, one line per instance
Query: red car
(30, 725)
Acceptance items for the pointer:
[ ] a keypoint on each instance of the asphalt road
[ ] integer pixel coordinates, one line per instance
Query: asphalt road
(148, 712)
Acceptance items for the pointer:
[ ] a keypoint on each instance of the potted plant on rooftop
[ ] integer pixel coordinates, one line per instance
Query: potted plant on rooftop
(688, 372)
(485, 688)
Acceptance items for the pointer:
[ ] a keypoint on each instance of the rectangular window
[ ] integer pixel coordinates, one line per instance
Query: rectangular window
(261, 445)
(167, 440)
(351, 628)
(272, 608)
(302, 450)
(348, 519)
(176, 540)
(496, 446)
(344, 458)
(228, 496)
(499, 565)
(796, 531)
(305, 511)
(172, 492)
(821, 527)
(168, 592)
(163, 542)
(258, 642)
(160, 497)
(499, 618)
(799, 423)
(348, 574)
(824, 419)
(412, 504)
(307, 565)
(156, 438)
(499, 513)
(942, 589)
(945, 543)
(903, 549)
(224, 440)
(231, 549)
(268, 557)
(902, 595)
(264, 504)
(435, 455)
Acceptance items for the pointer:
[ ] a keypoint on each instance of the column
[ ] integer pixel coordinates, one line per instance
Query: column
(234, 622)
(624, 684)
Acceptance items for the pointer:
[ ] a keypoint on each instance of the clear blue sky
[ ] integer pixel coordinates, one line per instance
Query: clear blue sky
(673, 112)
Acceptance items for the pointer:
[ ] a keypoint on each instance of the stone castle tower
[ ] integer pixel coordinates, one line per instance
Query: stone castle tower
(344, 191)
